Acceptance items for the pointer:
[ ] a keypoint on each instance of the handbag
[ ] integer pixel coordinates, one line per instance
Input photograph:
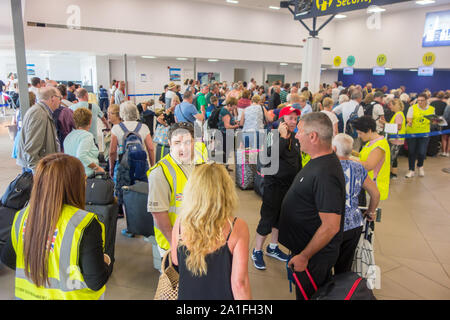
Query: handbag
(161, 135)
(364, 259)
(168, 280)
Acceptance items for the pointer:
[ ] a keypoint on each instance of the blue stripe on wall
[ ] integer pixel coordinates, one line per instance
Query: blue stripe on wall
(395, 78)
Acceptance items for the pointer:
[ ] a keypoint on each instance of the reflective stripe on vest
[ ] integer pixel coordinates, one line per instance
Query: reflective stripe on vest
(382, 179)
(420, 124)
(403, 127)
(65, 279)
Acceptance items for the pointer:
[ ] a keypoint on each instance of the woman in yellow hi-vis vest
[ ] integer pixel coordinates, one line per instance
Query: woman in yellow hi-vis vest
(166, 180)
(396, 106)
(418, 123)
(54, 241)
(375, 156)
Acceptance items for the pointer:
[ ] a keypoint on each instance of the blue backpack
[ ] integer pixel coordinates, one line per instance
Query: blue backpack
(134, 158)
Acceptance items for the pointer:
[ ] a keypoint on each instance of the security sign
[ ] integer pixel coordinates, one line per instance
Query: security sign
(428, 58)
(381, 60)
(337, 61)
(323, 5)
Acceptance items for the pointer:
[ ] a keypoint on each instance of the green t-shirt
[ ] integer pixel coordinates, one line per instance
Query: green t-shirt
(201, 101)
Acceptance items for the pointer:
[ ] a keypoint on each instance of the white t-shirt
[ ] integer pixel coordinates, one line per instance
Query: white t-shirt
(131, 126)
(347, 108)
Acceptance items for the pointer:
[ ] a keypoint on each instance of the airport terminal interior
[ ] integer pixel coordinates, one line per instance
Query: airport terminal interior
(389, 52)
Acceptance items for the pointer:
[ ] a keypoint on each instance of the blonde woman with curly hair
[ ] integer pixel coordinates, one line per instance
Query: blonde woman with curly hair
(209, 244)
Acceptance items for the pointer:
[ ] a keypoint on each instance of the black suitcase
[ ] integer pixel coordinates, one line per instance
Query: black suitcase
(161, 151)
(99, 189)
(18, 192)
(258, 180)
(435, 143)
(345, 286)
(6, 220)
(107, 214)
(139, 221)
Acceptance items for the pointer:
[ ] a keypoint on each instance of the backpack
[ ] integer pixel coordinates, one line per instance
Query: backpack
(368, 108)
(213, 120)
(349, 124)
(134, 158)
(18, 192)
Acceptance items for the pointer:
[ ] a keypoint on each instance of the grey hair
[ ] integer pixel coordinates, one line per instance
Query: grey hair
(318, 122)
(389, 98)
(356, 94)
(344, 144)
(235, 86)
(404, 97)
(129, 111)
(46, 93)
(343, 98)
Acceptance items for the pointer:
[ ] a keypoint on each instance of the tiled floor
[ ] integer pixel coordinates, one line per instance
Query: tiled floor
(412, 243)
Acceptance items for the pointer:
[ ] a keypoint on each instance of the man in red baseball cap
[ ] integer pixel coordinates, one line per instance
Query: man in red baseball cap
(276, 187)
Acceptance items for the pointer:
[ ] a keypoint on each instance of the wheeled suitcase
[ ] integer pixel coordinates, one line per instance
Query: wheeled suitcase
(107, 214)
(139, 221)
(245, 168)
(99, 189)
(258, 183)
(18, 192)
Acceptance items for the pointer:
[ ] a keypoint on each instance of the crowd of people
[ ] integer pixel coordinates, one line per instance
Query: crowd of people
(332, 142)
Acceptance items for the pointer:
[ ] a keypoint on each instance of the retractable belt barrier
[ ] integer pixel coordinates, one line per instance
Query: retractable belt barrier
(143, 95)
(419, 135)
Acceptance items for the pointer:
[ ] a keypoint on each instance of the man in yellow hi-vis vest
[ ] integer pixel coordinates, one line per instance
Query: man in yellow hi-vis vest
(166, 180)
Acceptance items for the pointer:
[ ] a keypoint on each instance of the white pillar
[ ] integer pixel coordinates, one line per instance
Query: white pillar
(312, 61)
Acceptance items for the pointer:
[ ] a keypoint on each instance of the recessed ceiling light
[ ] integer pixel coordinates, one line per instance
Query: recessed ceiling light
(283, 64)
(375, 9)
(46, 54)
(323, 69)
(232, 1)
(182, 59)
(213, 60)
(274, 8)
(425, 2)
(148, 57)
(412, 69)
(387, 68)
(340, 16)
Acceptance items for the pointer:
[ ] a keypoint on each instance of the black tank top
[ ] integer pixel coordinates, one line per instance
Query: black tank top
(216, 284)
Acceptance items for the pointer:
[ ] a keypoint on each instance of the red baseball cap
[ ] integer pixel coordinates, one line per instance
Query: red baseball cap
(288, 110)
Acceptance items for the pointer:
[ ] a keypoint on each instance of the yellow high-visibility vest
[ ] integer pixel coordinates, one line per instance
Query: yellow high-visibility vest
(66, 280)
(176, 179)
(383, 178)
(420, 124)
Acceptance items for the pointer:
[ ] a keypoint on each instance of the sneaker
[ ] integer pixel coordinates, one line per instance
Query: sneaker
(421, 172)
(258, 260)
(127, 234)
(410, 174)
(393, 176)
(277, 254)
